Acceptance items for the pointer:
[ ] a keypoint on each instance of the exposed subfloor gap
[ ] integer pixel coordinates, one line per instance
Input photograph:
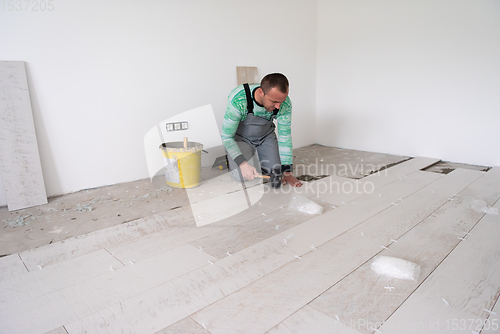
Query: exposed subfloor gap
(445, 167)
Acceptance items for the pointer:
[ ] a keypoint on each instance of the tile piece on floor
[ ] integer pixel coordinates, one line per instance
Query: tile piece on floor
(329, 225)
(280, 293)
(82, 299)
(186, 325)
(239, 237)
(426, 244)
(443, 297)
(156, 308)
(11, 265)
(105, 238)
(29, 285)
(386, 176)
(154, 243)
(337, 191)
(308, 320)
(20, 164)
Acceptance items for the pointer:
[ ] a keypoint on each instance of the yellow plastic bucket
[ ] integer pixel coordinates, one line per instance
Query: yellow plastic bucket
(182, 163)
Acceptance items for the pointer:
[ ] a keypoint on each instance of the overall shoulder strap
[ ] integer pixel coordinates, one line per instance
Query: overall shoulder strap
(249, 98)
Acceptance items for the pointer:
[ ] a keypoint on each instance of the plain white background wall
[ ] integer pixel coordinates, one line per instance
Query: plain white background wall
(102, 73)
(414, 77)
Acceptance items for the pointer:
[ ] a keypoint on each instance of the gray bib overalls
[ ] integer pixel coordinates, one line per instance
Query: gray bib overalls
(257, 141)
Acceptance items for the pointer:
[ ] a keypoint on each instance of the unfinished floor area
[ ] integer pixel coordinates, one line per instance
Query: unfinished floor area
(224, 257)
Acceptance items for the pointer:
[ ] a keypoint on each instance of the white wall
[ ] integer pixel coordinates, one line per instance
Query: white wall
(102, 73)
(413, 77)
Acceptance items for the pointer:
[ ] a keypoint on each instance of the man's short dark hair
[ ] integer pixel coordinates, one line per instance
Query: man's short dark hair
(273, 80)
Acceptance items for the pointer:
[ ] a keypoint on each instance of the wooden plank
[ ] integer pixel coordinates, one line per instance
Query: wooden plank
(168, 303)
(246, 74)
(224, 201)
(308, 320)
(156, 243)
(215, 209)
(313, 232)
(284, 291)
(176, 300)
(363, 295)
(331, 224)
(338, 191)
(186, 325)
(57, 308)
(20, 288)
(161, 241)
(11, 266)
(105, 238)
(464, 286)
(19, 157)
(180, 297)
(156, 308)
(126, 233)
(239, 237)
(217, 186)
(280, 198)
(381, 178)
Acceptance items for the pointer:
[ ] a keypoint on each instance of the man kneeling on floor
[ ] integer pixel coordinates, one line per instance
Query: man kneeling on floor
(248, 128)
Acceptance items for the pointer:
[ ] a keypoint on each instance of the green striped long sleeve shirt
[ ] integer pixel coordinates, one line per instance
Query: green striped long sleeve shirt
(236, 111)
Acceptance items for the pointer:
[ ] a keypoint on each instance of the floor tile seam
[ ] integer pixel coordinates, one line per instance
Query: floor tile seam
(188, 243)
(119, 302)
(105, 246)
(107, 273)
(64, 260)
(491, 313)
(433, 270)
(80, 238)
(374, 215)
(169, 226)
(287, 263)
(445, 203)
(201, 325)
(267, 239)
(377, 252)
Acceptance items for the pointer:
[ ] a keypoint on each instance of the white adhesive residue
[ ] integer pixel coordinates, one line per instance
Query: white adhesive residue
(479, 205)
(305, 205)
(395, 268)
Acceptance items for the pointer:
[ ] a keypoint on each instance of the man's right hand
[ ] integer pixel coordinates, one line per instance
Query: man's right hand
(248, 171)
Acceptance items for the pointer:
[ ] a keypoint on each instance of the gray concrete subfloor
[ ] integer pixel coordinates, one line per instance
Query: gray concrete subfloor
(83, 212)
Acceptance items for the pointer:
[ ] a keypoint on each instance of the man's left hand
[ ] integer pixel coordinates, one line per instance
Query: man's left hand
(289, 178)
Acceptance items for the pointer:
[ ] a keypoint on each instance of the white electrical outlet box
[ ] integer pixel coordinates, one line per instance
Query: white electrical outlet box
(177, 126)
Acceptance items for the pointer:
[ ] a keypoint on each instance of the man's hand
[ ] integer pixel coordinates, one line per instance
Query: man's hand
(289, 178)
(248, 171)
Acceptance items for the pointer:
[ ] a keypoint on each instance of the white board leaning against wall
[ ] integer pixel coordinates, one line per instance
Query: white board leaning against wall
(20, 165)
